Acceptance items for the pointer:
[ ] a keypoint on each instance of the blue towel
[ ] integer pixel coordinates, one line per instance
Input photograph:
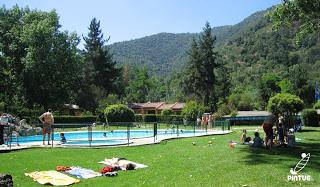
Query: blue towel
(82, 172)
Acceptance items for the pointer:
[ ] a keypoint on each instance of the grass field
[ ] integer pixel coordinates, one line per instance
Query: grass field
(179, 163)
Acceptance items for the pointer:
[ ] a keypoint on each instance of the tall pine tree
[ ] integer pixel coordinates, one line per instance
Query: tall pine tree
(200, 78)
(192, 79)
(105, 74)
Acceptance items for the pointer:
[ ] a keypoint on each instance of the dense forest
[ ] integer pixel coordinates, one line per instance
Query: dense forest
(42, 67)
(257, 60)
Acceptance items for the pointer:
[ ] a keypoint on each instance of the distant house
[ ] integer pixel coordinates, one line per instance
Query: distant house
(248, 117)
(155, 108)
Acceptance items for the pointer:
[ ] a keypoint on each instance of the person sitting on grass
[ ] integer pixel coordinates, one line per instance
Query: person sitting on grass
(244, 139)
(257, 141)
(63, 138)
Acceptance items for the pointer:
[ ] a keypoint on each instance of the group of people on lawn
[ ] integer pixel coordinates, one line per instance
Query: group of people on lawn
(273, 135)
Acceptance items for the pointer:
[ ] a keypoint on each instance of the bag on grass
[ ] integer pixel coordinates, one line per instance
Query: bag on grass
(6, 180)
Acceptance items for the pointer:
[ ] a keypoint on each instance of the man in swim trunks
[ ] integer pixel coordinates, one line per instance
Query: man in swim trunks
(47, 120)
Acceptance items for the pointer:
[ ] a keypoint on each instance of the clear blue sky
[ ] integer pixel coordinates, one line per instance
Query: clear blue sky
(129, 19)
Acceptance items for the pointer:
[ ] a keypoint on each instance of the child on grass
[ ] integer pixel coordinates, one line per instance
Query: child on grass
(257, 141)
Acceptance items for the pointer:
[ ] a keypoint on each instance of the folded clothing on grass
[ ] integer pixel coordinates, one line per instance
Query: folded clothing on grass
(63, 168)
(82, 172)
(52, 177)
(107, 169)
(121, 163)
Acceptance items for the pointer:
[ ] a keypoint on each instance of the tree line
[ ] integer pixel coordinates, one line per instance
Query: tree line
(41, 66)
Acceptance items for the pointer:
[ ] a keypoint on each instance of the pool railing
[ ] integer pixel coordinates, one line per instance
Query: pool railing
(88, 134)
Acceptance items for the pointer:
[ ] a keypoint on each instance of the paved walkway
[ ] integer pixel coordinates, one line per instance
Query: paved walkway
(133, 142)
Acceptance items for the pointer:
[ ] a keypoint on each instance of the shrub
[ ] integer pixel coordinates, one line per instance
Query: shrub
(119, 113)
(284, 102)
(75, 119)
(310, 117)
(316, 105)
(166, 116)
(167, 112)
(138, 118)
(150, 118)
(192, 110)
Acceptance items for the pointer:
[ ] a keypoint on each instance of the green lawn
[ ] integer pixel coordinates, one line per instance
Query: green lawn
(178, 162)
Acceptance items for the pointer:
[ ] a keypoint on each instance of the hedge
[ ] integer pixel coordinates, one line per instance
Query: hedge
(177, 118)
(310, 117)
(162, 118)
(150, 118)
(74, 119)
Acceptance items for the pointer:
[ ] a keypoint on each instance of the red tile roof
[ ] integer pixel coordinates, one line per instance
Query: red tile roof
(178, 106)
(157, 105)
(165, 106)
(152, 105)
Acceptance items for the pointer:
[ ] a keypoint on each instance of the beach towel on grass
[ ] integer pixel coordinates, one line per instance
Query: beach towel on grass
(82, 172)
(120, 162)
(52, 177)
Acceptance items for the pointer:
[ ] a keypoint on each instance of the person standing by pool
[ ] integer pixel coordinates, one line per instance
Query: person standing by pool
(47, 121)
(267, 127)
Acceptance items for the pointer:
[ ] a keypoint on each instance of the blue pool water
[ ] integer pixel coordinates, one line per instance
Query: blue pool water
(111, 138)
(97, 142)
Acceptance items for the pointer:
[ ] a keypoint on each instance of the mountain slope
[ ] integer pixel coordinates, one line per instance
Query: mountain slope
(159, 53)
(166, 52)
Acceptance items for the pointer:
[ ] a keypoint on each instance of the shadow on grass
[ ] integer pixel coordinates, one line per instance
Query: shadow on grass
(310, 130)
(283, 155)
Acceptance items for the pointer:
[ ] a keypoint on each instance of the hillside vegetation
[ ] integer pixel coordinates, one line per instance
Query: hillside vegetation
(247, 51)
(165, 52)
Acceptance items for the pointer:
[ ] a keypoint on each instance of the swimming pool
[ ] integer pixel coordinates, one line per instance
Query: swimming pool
(109, 138)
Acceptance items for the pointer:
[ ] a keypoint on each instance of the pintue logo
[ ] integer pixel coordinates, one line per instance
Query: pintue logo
(301, 164)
